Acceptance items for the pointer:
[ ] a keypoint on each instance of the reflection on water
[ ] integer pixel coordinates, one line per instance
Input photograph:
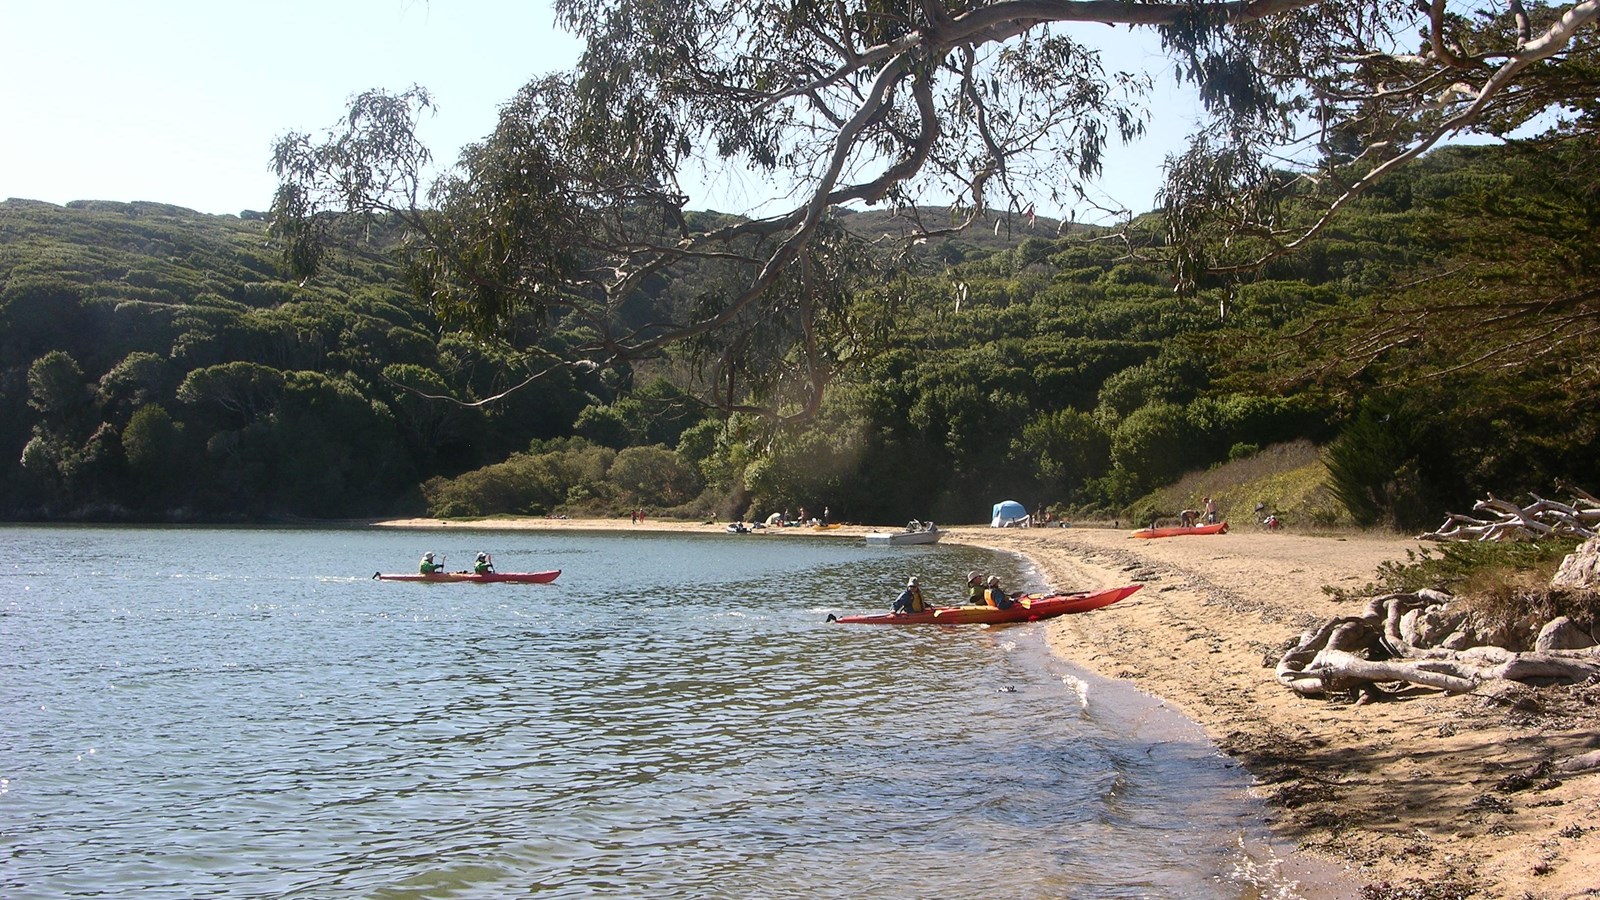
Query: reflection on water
(247, 713)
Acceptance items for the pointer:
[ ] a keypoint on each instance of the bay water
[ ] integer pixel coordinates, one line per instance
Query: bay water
(215, 712)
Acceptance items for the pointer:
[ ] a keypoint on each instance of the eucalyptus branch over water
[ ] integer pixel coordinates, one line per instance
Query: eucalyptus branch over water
(573, 207)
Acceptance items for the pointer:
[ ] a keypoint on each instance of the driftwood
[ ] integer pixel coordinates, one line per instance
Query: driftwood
(1414, 638)
(1581, 763)
(1505, 521)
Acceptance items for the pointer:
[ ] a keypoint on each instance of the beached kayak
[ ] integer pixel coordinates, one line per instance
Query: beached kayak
(1179, 530)
(1029, 608)
(470, 577)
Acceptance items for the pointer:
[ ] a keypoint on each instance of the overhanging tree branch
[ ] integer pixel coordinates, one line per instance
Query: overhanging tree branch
(573, 206)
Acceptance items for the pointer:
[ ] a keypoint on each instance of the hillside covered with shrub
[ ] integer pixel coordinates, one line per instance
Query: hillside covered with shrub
(158, 365)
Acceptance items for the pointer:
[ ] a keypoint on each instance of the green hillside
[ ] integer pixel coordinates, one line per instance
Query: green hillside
(1426, 348)
(155, 363)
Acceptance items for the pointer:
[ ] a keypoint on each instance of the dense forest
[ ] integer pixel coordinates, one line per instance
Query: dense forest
(161, 365)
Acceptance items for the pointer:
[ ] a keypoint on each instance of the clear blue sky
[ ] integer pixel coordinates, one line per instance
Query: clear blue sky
(179, 101)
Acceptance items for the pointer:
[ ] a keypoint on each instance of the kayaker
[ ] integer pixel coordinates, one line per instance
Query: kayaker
(975, 589)
(483, 566)
(428, 566)
(910, 599)
(995, 596)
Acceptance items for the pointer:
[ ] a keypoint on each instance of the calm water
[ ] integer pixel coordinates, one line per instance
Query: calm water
(247, 713)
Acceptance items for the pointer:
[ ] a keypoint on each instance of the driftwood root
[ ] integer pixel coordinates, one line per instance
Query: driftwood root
(1501, 520)
(1382, 646)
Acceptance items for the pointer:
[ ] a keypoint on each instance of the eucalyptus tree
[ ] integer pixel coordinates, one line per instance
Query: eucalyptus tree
(1341, 94)
(573, 208)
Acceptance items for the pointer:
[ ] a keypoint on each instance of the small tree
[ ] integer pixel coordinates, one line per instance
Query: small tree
(653, 477)
(1071, 450)
(1152, 446)
(1376, 467)
(157, 461)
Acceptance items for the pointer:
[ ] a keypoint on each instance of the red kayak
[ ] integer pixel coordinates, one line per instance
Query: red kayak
(487, 578)
(1028, 608)
(1177, 530)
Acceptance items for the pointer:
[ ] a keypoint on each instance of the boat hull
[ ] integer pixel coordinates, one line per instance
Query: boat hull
(1029, 608)
(903, 538)
(1179, 530)
(473, 578)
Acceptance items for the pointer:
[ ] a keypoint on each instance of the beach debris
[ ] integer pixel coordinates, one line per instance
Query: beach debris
(1502, 520)
(1581, 568)
(1583, 762)
(1421, 638)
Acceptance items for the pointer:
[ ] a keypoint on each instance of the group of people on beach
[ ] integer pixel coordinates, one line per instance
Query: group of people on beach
(1192, 517)
(981, 591)
(483, 565)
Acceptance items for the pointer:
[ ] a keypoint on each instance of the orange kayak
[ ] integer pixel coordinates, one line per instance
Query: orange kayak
(1028, 608)
(1177, 530)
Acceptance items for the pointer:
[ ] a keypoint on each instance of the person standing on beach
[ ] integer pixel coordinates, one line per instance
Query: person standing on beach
(1211, 511)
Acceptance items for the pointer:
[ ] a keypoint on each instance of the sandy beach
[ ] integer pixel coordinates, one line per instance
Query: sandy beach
(1426, 795)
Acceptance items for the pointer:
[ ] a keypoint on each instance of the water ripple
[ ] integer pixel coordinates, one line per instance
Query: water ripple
(672, 718)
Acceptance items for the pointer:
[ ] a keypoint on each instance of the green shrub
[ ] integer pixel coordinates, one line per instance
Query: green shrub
(1375, 467)
(1495, 576)
(1153, 445)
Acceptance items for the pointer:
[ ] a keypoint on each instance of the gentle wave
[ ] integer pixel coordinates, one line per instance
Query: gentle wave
(242, 712)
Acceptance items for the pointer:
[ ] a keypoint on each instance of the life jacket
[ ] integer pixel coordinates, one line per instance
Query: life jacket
(996, 597)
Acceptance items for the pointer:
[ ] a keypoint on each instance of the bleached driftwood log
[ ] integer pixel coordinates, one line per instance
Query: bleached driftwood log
(1415, 638)
(1583, 762)
(1506, 521)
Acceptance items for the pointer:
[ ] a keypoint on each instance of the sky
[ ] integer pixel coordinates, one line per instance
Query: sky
(180, 101)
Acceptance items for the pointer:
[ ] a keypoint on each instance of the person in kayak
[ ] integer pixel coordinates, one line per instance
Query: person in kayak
(975, 589)
(910, 599)
(428, 566)
(483, 566)
(995, 596)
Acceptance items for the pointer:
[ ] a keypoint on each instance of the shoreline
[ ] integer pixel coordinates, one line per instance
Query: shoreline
(1405, 795)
